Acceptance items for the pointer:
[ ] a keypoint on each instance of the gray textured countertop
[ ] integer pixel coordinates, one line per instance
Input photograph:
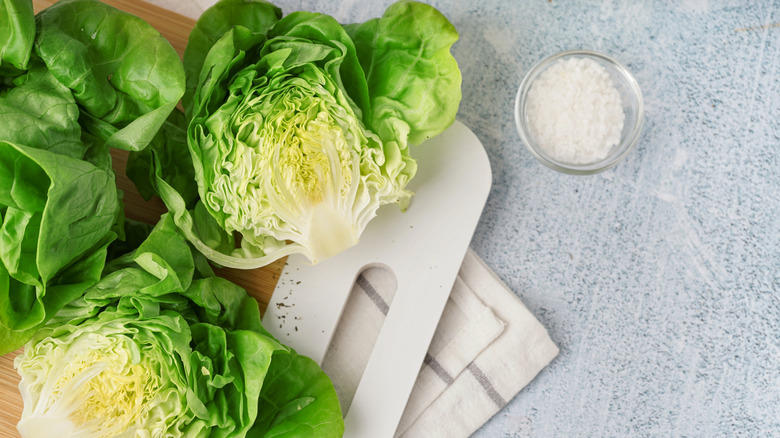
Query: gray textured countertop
(658, 279)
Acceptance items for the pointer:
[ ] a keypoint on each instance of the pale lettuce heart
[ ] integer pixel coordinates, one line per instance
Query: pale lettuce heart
(100, 381)
(294, 163)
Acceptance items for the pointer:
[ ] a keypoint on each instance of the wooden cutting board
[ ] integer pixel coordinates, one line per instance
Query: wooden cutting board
(259, 283)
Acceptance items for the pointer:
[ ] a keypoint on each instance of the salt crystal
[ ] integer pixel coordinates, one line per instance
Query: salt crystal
(574, 110)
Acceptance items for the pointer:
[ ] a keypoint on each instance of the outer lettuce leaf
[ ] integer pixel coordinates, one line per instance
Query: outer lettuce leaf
(184, 354)
(121, 71)
(170, 148)
(53, 238)
(296, 401)
(41, 112)
(412, 77)
(17, 32)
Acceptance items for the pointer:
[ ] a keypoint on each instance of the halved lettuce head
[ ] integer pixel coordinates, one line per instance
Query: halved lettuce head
(299, 132)
(160, 347)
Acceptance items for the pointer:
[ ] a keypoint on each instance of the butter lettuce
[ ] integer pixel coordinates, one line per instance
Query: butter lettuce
(160, 347)
(17, 32)
(299, 128)
(76, 80)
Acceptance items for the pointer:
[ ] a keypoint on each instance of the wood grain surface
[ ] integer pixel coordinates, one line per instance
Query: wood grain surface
(259, 283)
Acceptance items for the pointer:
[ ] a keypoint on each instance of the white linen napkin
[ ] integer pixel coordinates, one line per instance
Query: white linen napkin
(486, 348)
(188, 8)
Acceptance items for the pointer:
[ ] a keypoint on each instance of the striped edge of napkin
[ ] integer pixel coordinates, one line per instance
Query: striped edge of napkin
(486, 348)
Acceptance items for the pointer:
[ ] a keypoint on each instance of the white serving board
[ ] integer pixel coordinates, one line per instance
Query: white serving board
(423, 247)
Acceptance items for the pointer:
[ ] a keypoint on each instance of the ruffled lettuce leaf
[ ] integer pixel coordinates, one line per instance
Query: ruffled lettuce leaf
(121, 71)
(256, 16)
(413, 80)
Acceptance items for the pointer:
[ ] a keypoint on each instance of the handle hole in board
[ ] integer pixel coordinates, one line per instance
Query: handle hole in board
(358, 328)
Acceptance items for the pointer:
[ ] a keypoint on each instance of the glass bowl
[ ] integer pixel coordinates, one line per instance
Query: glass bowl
(633, 109)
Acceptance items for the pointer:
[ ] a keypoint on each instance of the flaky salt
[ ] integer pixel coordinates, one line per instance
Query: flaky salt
(574, 111)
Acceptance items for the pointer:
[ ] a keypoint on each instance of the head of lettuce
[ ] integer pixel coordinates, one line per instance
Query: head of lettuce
(299, 127)
(77, 79)
(160, 347)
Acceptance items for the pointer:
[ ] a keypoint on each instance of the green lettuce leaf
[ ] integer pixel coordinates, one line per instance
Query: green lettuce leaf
(39, 111)
(296, 400)
(169, 147)
(17, 32)
(53, 238)
(413, 80)
(122, 72)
